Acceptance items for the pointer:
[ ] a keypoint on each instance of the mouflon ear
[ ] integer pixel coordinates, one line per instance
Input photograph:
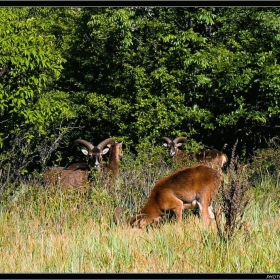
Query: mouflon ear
(85, 152)
(105, 151)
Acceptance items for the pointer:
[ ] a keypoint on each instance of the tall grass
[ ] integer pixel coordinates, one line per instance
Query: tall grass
(63, 230)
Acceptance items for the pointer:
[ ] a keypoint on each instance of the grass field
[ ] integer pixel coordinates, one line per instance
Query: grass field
(71, 231)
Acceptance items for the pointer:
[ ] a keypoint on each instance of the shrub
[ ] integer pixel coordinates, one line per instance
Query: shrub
(234, 198)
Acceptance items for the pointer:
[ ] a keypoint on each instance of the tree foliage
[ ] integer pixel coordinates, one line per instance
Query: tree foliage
(30, 103)
(141, 73)
(205, 73)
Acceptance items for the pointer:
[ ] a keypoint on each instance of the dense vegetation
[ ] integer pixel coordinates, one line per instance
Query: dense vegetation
(136, 74)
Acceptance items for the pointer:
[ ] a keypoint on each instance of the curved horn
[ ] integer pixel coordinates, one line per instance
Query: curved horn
(117, 213)
(136, 217)
(168, 140)
(85, 143)
(180, 139)
(102, 144)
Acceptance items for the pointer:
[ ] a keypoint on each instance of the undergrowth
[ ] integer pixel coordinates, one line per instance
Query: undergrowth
(72, 230)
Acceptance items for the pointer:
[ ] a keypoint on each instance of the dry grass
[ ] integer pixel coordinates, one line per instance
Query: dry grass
(58, 237)
(72, 231)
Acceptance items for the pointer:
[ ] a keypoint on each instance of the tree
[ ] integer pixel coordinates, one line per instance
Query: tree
(30, 104)
(243, 72)
(132, 72)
